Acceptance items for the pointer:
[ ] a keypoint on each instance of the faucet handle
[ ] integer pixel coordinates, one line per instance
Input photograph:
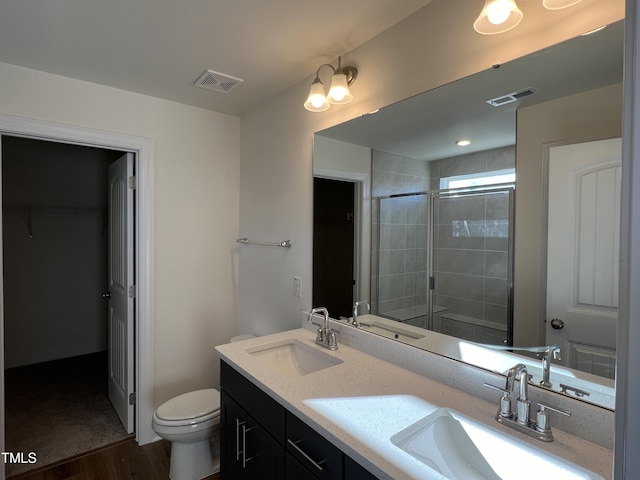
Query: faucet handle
(319, 331)
(542, 417)
(333, 343)
(555, 352)
(505, 400)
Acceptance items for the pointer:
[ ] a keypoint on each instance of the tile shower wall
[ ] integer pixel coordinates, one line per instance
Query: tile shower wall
(399, 266)
(471, 257)
(471, 271)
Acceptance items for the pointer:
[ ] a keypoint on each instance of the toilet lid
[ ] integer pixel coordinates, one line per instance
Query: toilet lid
(190, 405)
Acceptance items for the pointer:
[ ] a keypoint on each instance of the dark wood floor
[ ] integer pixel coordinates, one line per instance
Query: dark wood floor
(124, 460)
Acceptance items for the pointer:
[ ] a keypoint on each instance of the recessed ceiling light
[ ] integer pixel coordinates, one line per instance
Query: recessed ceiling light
(463, 143)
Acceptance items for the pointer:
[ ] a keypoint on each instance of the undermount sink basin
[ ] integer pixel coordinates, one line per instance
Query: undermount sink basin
(293, 358)
(460, 448)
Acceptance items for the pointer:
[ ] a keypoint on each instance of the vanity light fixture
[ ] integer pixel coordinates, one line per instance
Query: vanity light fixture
(499, 16)
(558, 4)
(339, 92)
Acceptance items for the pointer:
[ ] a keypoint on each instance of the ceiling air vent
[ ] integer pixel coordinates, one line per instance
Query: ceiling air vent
(218, 82)
(512, 97)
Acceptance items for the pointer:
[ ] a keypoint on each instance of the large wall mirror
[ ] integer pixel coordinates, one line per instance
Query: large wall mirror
(452, 245)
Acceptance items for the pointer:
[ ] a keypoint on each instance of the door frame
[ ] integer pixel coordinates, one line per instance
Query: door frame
(144, 246)
(362, 233)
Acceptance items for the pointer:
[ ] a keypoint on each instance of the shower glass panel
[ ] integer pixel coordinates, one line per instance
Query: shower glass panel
(402, 258)
(470, 265)
(444, 261)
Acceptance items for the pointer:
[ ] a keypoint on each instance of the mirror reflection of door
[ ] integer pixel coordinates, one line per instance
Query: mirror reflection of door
(582, 254)
(333, 245)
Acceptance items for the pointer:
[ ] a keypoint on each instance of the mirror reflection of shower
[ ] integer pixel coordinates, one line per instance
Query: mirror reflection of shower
(444, 261)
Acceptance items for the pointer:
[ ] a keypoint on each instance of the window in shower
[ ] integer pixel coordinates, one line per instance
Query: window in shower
(481, 179)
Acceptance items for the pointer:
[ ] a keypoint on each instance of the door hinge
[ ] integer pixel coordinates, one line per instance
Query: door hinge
(132, 183)
(132, 398)
(132, 291)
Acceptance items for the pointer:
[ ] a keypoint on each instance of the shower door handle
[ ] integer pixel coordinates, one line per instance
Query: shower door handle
(106, 295)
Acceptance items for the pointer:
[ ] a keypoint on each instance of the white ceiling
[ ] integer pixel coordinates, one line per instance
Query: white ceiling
(160, 47)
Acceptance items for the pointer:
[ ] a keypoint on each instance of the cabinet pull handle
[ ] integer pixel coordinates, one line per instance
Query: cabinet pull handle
(244, 446)
(238, 423)
(318, 465)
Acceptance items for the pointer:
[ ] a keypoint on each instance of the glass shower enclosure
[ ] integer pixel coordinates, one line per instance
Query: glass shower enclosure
(443, 260)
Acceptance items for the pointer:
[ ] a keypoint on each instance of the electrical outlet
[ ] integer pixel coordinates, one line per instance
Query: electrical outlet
(297, 287)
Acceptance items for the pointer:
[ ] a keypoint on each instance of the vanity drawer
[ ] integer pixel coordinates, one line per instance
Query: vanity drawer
(264, 409)
(312, 450)
(295, 471)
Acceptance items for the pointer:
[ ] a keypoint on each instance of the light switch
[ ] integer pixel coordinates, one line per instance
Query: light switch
(297, 287)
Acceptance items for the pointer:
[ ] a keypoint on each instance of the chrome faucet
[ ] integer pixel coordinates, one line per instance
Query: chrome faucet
(522, 404)
(356, 306)
(325, 336)
(546, 363)
(519, 420)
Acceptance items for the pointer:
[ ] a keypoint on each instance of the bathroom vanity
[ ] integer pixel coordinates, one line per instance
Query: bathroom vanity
(291, 409)
(260, 438)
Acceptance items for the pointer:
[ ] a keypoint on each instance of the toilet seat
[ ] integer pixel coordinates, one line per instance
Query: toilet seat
(189, 408)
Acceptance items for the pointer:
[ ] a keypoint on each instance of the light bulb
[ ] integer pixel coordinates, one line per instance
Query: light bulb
(339, 92)
(497, 16)
(498, 12)
(316, 101)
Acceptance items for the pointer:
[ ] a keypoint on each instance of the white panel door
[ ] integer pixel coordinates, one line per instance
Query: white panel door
(583, 252)
(121, 289)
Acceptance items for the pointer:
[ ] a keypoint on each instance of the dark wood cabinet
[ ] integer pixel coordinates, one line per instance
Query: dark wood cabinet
(247, 450)
(355, 471)
(318, 455)
(295, 470)
(252, 430)
(261, 439)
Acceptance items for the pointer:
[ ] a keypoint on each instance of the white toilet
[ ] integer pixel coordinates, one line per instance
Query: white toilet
(189, 422)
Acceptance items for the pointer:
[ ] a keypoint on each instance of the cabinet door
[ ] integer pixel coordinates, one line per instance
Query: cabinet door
(264, 409)
(231, 439)
(247, 450)
(354, 471)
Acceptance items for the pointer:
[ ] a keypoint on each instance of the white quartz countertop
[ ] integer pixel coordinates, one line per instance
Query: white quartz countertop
(359, 404)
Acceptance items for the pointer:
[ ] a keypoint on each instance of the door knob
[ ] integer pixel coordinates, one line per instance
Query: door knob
(557, 323)
(106, 295)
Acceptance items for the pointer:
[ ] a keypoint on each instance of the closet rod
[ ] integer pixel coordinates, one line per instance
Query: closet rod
(246, 241)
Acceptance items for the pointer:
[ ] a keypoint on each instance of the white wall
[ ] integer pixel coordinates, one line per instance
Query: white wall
(334, 154)
(432, 47)
(196, 210)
